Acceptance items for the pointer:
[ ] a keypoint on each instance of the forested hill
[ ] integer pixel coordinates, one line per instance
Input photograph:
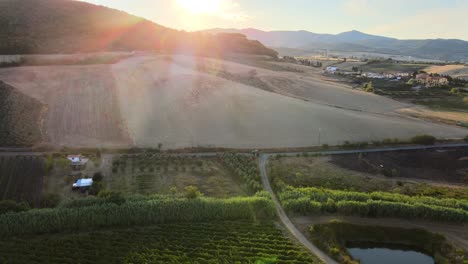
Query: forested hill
(67, 26)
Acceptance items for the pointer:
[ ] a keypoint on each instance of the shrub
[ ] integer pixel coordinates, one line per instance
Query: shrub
(423, 140)
(50, 200)
(192, 192)
(455, 91)
(97, 177)
(466, 138)
(96, 188)
(8, 206)
(465, 99)
(112, 197)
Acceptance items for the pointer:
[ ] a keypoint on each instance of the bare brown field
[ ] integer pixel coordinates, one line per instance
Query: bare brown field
(20, 118)
(183, 101)
(66, 59)
(456, 71)
(81, 105)
(309, 86)
(438, 116)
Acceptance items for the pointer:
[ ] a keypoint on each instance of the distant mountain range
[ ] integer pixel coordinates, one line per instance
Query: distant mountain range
(67, 26)
(355, 41)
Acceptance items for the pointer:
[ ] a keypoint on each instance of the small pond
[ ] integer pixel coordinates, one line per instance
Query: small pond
(379, 254)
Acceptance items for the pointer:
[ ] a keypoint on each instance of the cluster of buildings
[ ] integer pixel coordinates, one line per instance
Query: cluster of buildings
(430, 80)
(423, 79)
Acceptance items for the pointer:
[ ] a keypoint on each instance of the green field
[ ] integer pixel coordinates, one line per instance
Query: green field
(340, 191)
(222, 176)
(319, 172)
(213, 242)
(381, 66)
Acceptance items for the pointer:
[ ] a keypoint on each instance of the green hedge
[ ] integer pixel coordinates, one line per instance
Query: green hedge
(378, 204)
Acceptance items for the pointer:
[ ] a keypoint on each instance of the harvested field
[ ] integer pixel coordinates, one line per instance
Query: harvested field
(449, 166)
(456, 71)
(64, 59)
(182, 101)
(438, 116)
(21, 178)
(166, 100)
(20, 118)
(308, 86)
(81, 104)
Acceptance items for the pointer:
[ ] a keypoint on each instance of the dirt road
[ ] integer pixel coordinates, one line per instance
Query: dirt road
(453, 233)
(285, 219)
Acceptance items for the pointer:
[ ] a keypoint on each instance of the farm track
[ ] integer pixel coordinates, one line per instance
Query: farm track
(263, 160)
(262, 166)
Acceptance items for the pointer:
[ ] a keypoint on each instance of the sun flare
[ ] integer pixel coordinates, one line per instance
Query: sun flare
(200, 6)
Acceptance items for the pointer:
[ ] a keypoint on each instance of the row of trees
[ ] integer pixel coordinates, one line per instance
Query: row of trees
(134, 213)
(245, 168)
(322, 195)
(377, 204)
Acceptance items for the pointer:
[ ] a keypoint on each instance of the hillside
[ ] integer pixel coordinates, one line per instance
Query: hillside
(355, 41)
(66, 26)
(184, 101)
(19, 118)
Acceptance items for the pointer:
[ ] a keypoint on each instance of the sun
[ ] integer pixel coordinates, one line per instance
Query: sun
(200, 6)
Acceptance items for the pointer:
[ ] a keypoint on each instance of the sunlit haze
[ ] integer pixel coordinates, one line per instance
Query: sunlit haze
(400, 19)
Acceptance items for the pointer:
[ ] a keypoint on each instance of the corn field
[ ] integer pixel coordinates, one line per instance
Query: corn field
(134, 213)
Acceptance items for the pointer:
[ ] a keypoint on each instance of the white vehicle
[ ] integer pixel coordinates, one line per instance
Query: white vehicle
(82, 184)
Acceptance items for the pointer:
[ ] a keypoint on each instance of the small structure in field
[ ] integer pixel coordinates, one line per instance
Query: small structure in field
(331, 69)
(82, 184)
(77, 161)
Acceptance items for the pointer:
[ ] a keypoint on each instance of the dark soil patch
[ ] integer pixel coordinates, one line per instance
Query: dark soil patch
(436, 165)
(21, 178)
(19, 118)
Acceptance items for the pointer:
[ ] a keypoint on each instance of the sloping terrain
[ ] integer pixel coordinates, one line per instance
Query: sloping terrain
(20, 118)
(81, 105)
(308, 86)
(66, 26)
(166, 100)
(185, 101)
(456, 71)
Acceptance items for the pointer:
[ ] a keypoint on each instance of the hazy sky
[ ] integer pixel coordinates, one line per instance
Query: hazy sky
(394, 18)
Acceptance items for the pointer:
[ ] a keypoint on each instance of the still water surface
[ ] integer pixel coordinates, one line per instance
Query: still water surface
(389, 256)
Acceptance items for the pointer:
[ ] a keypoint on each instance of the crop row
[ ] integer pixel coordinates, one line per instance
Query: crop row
(134, 213)
(214, 242)
(322, 195)
(314, 201)
(21, 178)
(245, 168)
